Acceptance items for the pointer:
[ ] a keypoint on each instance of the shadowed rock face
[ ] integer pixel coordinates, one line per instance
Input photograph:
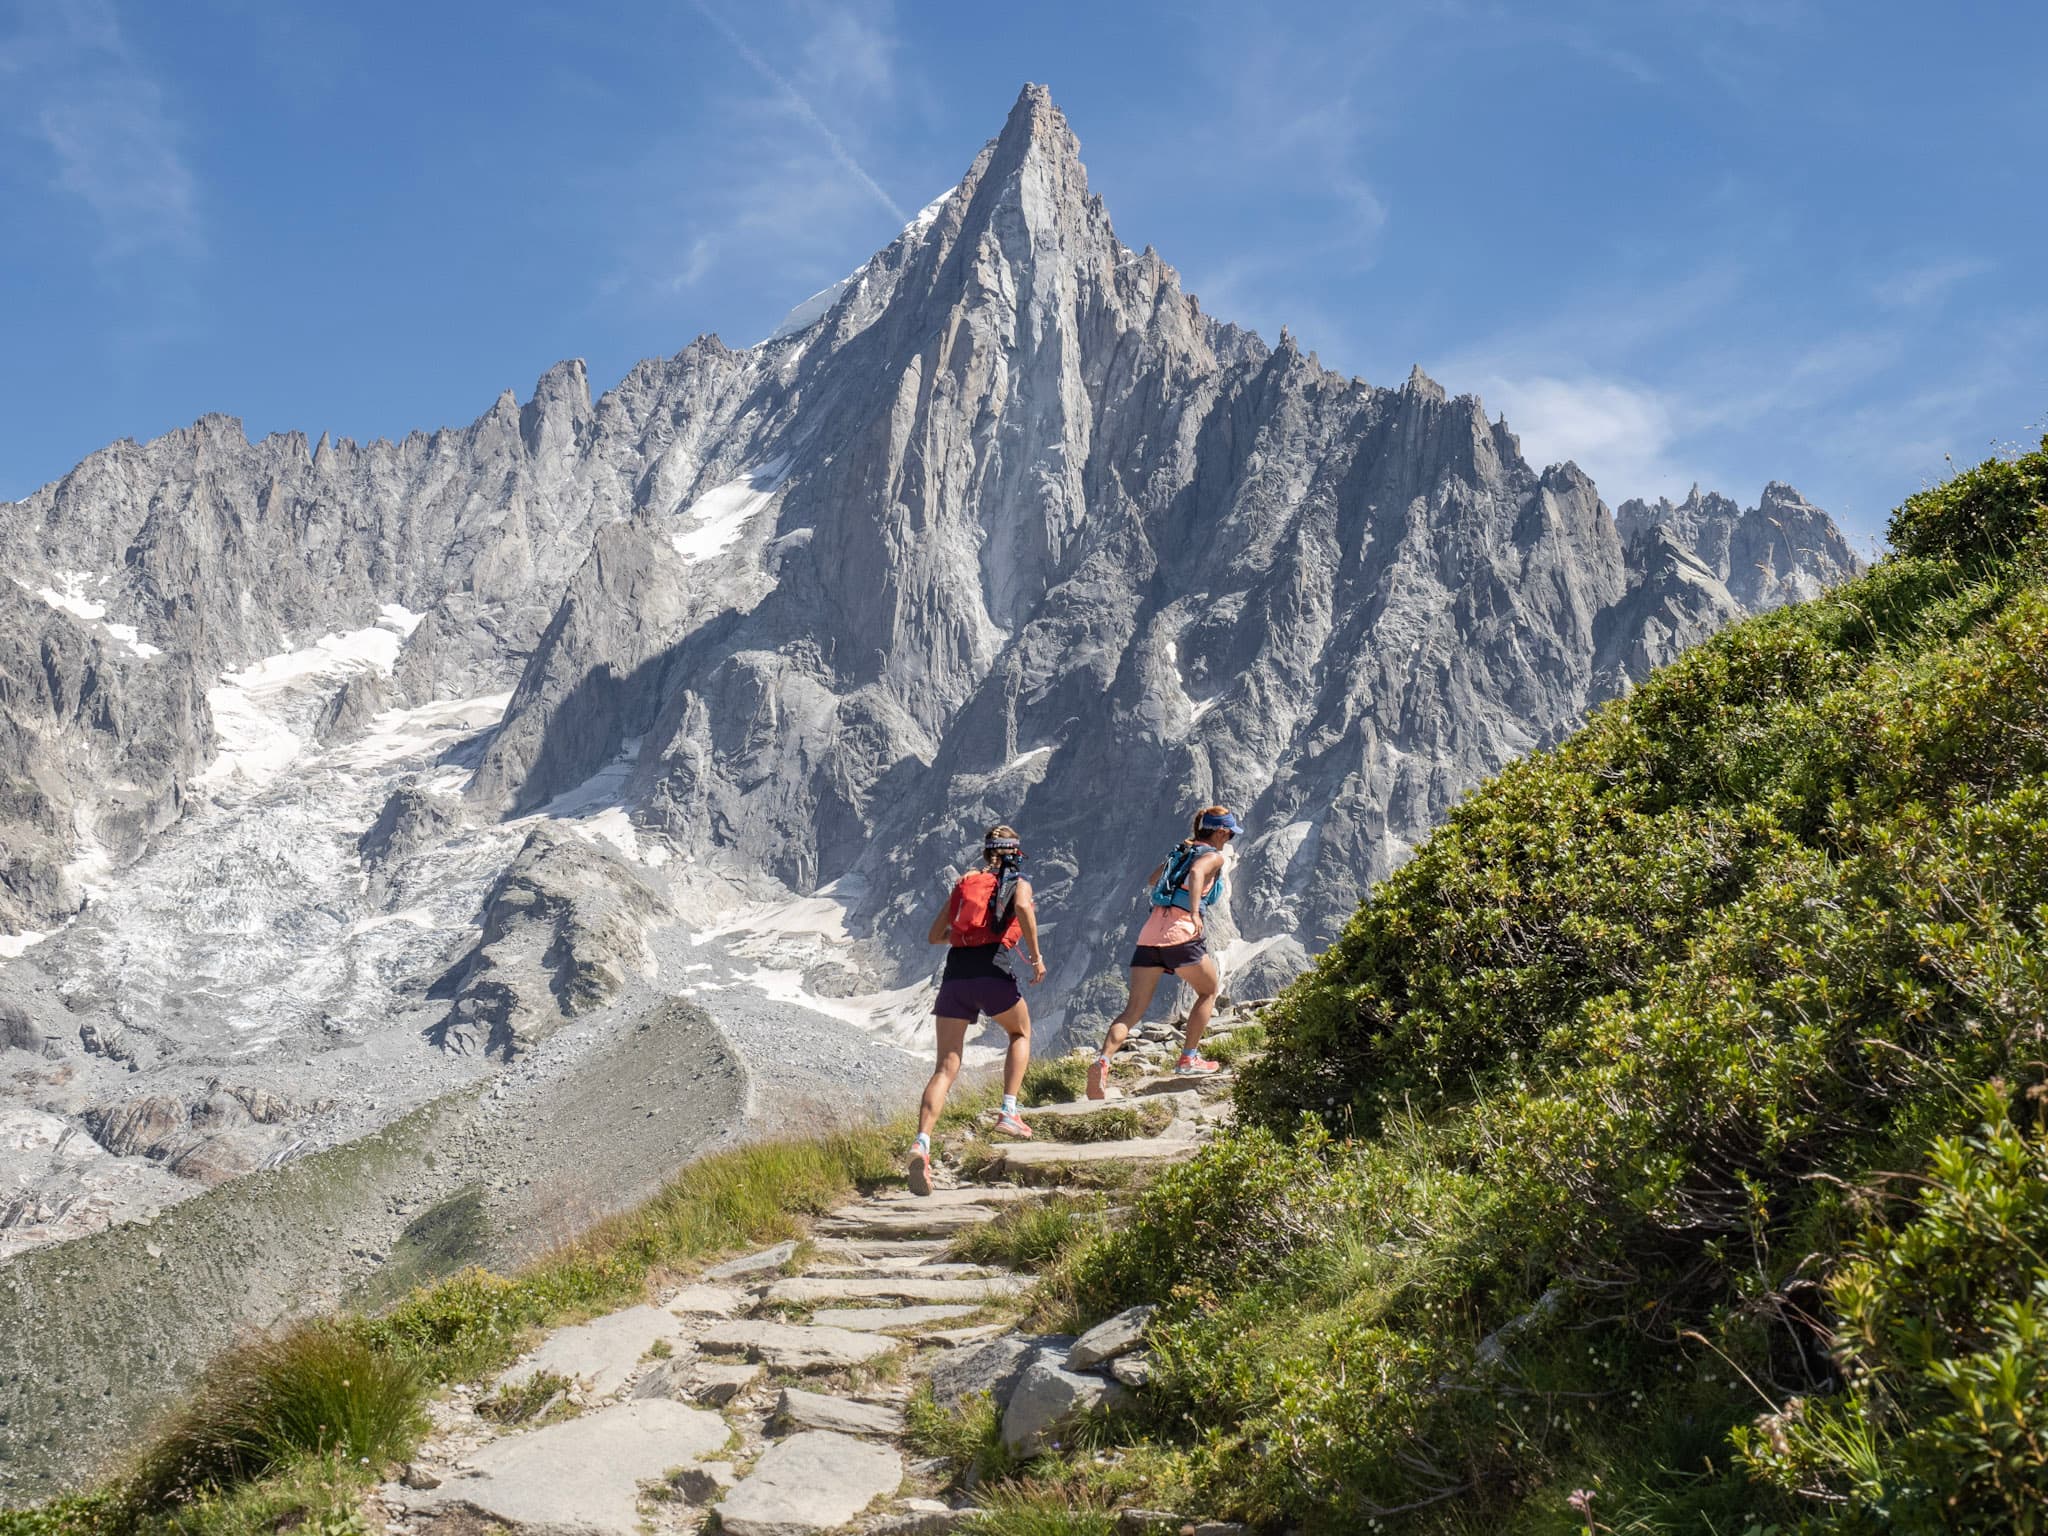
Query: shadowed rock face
(1013, 531)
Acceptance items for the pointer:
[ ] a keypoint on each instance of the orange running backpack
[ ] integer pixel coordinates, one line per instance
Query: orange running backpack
(972, 923)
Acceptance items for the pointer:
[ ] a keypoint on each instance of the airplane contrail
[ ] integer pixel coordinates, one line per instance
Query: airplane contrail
(800, 106)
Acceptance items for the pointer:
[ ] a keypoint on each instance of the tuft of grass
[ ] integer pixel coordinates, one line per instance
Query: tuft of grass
(1237, 1047)
(321, 1496)
(516, 1402)
(1032, 1234)
(320, 1390)
(1117, 1122)
(1056, 1080)
(1030, 1509)
(969, 1438)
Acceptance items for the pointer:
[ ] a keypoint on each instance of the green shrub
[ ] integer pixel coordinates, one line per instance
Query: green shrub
(1942, 1348)
(1241, 1206)
(1988, 511)
(318, 1391)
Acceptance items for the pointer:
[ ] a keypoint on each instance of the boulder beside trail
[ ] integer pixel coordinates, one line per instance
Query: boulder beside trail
(1106, 1340)
(1048, 1397)
(993, 1367)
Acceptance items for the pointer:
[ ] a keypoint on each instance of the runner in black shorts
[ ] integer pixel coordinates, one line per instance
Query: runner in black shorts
(986, 915)
(1175, 942)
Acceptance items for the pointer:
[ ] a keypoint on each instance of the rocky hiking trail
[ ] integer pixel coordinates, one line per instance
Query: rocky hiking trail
(767, 1396)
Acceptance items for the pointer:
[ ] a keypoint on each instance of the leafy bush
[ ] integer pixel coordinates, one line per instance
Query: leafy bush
(1987, 511)
(1942, 1351)
(1240, 1206)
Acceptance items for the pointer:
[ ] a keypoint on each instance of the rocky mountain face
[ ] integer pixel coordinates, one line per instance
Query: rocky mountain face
(1782, 550)
(751, 648)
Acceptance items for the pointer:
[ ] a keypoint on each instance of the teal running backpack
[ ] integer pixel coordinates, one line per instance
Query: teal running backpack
(1172, 889)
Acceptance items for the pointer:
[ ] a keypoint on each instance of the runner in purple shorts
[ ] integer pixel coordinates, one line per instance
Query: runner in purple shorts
(987, 914)
(1175, 942)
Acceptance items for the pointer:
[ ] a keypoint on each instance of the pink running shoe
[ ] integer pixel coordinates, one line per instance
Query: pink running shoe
(1011, 1125)
(1192, 1064)
(1098, 1079)
(920, 1171)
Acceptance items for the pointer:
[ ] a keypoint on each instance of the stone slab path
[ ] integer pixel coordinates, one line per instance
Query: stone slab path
(770, 1390)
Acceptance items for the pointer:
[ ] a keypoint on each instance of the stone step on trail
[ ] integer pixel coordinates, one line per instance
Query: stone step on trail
(1145, 1151)
(578, 1478)
(817, 1480)
(796, 1346)
(889, 1319)
(908, 1250)
(816, 1410)
(906, 1221)
(713, 1383)
(1080, 1109)
(601, 1353)
(1152, 1087)
(706, 1301)
(936, 1271)
(753, 1263)
(807, 1291)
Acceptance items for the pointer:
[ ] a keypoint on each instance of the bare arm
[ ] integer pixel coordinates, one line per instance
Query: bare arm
(1027, 919)
(936, 934)
(1153, 878)
(1200, 878)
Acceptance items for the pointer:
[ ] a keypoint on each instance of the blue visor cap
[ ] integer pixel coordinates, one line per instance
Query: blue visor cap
(1224, 823)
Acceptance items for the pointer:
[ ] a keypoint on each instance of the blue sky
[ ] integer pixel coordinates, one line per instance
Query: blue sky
(1723, 240)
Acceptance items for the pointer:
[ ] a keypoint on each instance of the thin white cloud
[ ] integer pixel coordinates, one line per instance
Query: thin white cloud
(800, 104)
(1928, 283)
(77, 88)
(1622, 433)
(697, 261)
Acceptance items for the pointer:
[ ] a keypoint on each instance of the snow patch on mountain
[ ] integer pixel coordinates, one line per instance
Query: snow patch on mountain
(714, 521)
(263, 713)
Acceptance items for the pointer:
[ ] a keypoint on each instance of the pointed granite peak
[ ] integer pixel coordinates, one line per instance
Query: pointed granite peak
(1420, 383)
(1036, 125)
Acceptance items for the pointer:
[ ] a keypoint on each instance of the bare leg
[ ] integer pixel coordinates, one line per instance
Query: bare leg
(952, 1036)
(1206, 981)
(1144, 982)
(1016, 1024)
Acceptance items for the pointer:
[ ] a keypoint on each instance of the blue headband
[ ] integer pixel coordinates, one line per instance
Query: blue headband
(1211, 822)
(1001, 845)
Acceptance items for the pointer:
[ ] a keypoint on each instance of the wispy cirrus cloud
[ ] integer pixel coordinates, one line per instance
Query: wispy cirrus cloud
(779, 184)
(1926, 283)
(77, 88)
(865, 56)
